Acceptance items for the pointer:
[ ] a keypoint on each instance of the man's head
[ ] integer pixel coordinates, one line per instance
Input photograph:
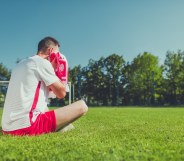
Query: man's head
(47, 45)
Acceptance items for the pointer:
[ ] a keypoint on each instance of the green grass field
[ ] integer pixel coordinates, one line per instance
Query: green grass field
(107, 134)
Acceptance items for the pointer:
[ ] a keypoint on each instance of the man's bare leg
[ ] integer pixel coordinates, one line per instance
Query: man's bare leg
(70, 113)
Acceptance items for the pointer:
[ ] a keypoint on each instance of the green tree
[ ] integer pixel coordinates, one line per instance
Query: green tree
(114, 67)
(102, 80)
(4, 76)
(94, 82)
(75, 76)
(4, 73)
(174, 76)
(143, 76)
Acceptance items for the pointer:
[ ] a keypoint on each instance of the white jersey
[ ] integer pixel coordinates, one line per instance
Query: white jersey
(27, 94)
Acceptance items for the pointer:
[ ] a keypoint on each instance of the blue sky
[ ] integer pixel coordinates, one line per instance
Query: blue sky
(89, 29)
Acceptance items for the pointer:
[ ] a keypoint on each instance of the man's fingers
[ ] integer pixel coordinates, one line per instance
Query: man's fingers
(54, 63)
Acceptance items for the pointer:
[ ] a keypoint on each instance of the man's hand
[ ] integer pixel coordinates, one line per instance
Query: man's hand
(54, 63)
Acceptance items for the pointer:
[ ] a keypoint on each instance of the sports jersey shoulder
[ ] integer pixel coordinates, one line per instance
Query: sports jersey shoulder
(45, 70)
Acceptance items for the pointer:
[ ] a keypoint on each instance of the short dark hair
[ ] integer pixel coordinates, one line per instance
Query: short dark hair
(46, 42)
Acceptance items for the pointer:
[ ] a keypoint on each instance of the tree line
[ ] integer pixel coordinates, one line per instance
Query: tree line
(111, 81)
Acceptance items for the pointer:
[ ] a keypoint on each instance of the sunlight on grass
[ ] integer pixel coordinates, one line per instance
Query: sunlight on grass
(107, 134)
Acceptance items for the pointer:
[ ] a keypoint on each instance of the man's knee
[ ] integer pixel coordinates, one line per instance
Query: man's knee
(83, 108)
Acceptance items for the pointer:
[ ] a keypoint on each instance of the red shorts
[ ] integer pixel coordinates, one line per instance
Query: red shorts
(45, 123)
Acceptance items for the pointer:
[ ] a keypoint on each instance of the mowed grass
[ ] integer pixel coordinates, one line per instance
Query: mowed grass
(107, 134)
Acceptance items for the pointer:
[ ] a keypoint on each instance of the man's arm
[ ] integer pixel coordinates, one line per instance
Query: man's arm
(58, 88)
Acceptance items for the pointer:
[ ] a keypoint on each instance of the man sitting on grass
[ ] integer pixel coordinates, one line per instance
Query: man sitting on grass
(25, 110)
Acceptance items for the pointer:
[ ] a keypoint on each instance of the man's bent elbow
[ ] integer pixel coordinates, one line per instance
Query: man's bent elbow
(59, 89)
